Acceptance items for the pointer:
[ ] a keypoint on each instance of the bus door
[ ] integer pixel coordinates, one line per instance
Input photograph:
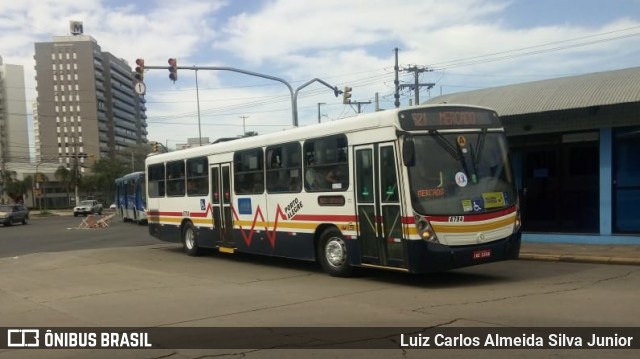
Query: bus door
(378, 206)
(221, 205)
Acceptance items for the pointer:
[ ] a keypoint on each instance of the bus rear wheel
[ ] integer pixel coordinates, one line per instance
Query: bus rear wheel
(189, 242)
(332, 253)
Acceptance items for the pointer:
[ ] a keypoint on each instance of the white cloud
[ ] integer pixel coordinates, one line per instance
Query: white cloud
(344, 43)
(288, 26)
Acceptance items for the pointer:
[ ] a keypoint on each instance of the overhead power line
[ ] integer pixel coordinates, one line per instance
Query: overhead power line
(535, 50)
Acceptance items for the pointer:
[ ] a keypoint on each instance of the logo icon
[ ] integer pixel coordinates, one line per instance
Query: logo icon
(461, 179)
(23, 338)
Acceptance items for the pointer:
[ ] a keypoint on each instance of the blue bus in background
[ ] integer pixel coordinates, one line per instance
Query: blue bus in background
(131, 197)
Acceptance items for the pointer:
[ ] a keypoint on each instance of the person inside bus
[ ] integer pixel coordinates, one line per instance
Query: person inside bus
(258, 183)
(311, 175)
(191, 187)
(294, 184)
(175, 183)
(335, 177)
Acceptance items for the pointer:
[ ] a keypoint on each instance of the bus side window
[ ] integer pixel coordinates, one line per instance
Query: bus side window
(197, 176)
(249, 171)
(283, 168)
(175, 178)
(156, 181)
(326, 164)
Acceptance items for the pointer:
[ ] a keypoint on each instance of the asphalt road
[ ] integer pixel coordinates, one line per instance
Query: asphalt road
(60, 233)
(122, 277)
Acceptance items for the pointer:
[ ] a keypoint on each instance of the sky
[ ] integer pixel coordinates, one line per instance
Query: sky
(462, 45)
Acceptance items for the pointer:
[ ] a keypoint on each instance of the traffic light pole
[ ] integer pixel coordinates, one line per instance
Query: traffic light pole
(294, 95)
(224, 68)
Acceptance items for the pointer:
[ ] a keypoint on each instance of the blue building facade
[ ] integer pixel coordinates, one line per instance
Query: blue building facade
(575, 145)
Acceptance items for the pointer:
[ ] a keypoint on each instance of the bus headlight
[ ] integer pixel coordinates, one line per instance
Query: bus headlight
(425, 231)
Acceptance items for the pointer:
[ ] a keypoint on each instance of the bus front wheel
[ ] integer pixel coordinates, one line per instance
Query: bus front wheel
(189, 242)
(332, 253)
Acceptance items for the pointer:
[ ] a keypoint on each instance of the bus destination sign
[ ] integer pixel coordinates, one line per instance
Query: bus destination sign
(452, 117)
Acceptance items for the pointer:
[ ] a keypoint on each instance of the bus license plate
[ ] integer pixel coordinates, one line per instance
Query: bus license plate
(482, 253)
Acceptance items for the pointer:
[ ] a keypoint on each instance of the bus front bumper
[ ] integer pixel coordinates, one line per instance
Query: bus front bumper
(427, 257)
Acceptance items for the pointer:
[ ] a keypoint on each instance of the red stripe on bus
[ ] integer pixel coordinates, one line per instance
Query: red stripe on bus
(199, 214)
(169, 214)
(178, 214)
(408, 220)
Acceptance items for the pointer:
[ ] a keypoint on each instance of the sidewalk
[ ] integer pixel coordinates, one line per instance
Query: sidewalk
(585, 253)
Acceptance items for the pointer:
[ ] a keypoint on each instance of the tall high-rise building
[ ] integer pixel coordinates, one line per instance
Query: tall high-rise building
(14, 136)
(86, 103)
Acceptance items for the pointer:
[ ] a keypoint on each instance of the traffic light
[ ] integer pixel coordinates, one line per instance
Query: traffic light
(173, 69)
(346, 95)
(139, 70)
(154, 146)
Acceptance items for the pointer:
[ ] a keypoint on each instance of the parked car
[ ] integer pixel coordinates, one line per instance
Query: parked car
(87, 207)
(13, 213)
(112, 206)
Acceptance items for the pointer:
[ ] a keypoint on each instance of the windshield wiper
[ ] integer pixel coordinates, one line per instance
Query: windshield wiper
(480, 145)
(452, 150)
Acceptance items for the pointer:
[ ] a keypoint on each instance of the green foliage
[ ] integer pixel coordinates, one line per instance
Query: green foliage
(65, 177)
(105, 171)
(15, 188)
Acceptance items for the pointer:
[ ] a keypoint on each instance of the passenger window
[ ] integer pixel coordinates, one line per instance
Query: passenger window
(156, 180)
(326, 164)
(249, 171)
(197, 176)
(284, 168)
(175, 178)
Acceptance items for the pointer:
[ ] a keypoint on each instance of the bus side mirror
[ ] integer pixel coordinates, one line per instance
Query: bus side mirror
(408, 152)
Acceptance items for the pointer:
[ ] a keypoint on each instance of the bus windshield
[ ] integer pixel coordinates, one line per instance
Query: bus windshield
(461, 173)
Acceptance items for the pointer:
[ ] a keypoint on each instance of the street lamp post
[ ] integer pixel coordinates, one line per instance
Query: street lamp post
(198, 105)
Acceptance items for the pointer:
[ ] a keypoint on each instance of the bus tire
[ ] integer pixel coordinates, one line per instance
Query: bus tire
(189, 242)
(332, 254)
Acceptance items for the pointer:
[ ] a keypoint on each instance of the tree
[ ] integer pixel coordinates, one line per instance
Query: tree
(6, 177)
(133, 157)
(65, 177)
(15, 188)
(105, 172)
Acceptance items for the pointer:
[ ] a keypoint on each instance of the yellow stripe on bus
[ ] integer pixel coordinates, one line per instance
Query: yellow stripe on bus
(178, 220)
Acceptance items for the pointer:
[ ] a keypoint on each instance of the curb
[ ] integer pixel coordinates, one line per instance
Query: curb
(579, 259)
(50, 214)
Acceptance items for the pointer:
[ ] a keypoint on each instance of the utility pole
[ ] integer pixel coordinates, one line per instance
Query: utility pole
(416, 85)
(396, 69)
(359, 104)
(76, 171)
(244, 129)
(319, 115)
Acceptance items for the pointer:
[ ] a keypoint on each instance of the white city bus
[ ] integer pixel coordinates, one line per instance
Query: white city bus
(422, 189)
